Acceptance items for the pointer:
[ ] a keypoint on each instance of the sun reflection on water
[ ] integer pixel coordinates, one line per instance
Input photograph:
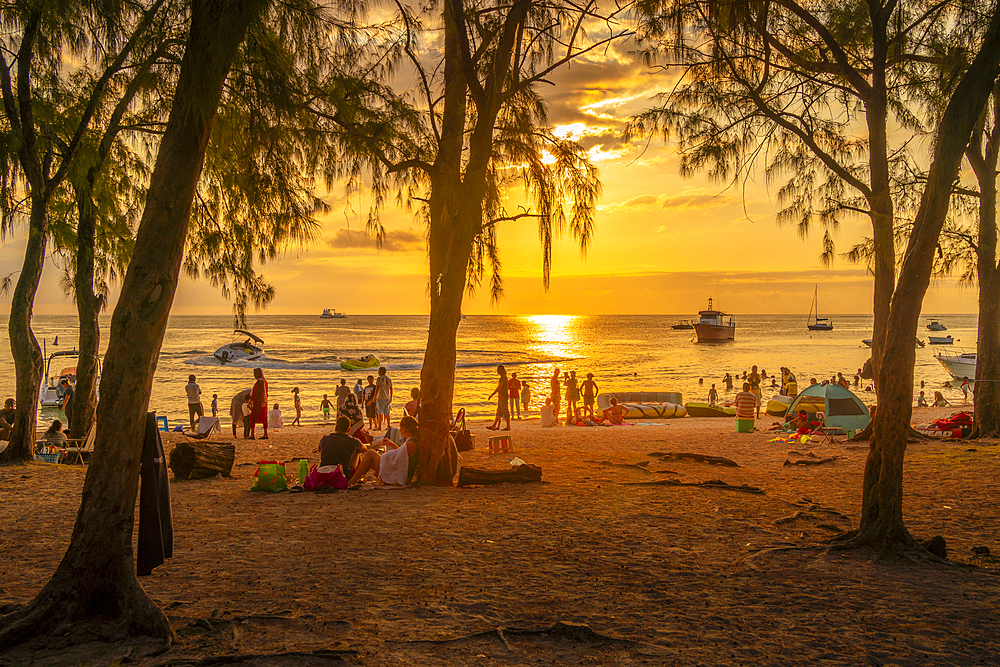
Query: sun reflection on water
(554, 335)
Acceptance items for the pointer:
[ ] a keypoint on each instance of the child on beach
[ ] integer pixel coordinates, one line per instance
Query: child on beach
(215, 405)
(921, 400)
(515, 393)
(965, 389)
(525, 395)
(939, 400)
(298, 407)
(274, 419)
(713, 395)
(326, 405)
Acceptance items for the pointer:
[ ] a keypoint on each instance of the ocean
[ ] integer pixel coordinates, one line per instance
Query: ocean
(625, 353)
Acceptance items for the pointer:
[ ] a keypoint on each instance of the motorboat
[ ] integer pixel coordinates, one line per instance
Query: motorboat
(241, 350)
(367, 361)
(936, 326)
(917, 342)
(959, 365)
(50, 393)
(713, 326)
(817, 323)
(940, 340)
(683, 324)
(331, 314)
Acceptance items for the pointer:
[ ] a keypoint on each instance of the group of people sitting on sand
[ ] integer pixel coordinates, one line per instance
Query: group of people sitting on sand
(396, 465)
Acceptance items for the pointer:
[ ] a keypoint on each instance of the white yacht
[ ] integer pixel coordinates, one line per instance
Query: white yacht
(50, 393)
(959, 365)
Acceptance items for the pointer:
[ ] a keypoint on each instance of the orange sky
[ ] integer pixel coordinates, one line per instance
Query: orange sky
(663, 243)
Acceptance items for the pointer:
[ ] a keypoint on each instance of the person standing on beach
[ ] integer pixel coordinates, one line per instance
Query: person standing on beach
(369, 402)
(342, 392)
(298, 407)
(554, 393)
(194, 400)
(325, 405)
(965, 389)
(590, 391)
(67, 399)
(754, 381)
(572, 397)
(525, 395)
(359, 393)
(514, 389)
(258, 404)
(503, 401)
(746, 402)
(383, 398)
(236, 412)
(215, 405)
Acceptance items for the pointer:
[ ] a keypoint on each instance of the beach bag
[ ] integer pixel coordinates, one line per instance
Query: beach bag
(327, 476)
(270, 476)
(464, 440)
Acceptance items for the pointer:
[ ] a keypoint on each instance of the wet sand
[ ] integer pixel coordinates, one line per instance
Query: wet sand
(680, 575)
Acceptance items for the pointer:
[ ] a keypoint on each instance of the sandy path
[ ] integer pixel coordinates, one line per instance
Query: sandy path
(683, 572)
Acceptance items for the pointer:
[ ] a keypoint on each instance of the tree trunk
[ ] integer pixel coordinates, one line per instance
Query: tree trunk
(881, 524)
(96, 577)
(88, 308)
(28, 362)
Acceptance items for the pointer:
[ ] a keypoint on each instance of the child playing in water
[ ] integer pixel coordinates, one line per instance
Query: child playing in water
(713, 395)
(298, 407)
(326, 405)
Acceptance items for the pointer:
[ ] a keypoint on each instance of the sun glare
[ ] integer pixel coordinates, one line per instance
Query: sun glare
(554, 335)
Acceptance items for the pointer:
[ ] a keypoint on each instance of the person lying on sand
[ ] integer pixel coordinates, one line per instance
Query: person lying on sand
(399, 464)
(615, 414)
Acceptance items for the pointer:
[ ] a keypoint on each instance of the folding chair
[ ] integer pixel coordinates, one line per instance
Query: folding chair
(76, 450)
(205, 427)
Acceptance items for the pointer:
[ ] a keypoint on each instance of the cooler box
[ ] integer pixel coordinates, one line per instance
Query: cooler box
(744, 425)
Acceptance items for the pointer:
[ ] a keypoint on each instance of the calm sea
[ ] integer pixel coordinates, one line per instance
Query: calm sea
(626, 353)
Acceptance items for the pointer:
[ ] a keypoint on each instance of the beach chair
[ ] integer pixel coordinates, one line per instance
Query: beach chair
(205, 427)
(77, 447)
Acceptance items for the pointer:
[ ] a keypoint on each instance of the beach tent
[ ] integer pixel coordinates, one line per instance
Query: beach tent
(844, 411)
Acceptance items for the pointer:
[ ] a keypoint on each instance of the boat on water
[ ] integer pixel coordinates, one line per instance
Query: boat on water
(683, 324)
(50, 392)
(367, 361)
(959, 365)
(815, 322)
(917, 342)
(940, 340)
(246, 350)
(936, 326)
(713, 326)
(331, 314)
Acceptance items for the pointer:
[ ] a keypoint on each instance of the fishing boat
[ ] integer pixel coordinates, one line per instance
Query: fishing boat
(959, 365)
(50, 393)
(713, 326)
(331, 314)
(818, 323)
(683, 324)
(245, 350)
(936, 326)
(367, 361)
(940, 340)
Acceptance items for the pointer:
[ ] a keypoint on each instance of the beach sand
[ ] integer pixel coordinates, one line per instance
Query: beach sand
(660, 574)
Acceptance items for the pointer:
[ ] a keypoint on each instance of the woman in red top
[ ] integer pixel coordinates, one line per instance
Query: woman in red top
(258, 404)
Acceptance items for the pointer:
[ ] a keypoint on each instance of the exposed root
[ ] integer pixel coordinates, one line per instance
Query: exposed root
(337, 655)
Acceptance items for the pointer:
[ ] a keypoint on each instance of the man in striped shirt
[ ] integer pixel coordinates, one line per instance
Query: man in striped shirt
(746, 403)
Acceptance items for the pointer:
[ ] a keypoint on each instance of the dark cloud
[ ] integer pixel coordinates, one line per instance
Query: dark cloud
(396, 240)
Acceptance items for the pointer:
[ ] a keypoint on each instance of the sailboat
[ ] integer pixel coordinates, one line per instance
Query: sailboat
(818, 323)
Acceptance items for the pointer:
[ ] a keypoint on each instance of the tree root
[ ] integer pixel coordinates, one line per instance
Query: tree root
(709, 484)
(337, 655)
(699, 458)
(578, 632)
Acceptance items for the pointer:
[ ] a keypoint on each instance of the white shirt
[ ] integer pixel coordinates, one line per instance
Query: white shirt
(274, 419)
(193, 392)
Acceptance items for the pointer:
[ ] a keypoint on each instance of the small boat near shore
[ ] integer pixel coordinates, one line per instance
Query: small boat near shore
(683, 324)
(940, 340)
(246, 350)
(959, 365)
(50, 393)
(936, 326)
(367, 361)
(917, 342)
(713, 326)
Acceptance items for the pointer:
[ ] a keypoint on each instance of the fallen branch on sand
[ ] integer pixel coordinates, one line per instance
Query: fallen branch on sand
(580, 632)
(324, 653)
(638, 466)
(700, 458)
(810, 462)
(710, 484)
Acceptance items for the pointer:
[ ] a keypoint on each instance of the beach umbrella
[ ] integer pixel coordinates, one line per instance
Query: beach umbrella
(844, 411)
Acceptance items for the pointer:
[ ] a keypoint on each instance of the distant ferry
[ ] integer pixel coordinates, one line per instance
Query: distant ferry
(712, 325)
(329, 314)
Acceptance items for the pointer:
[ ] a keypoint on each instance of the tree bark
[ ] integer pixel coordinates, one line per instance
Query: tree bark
(881, 522)
(96, 577)
(88, 308)
(28, 362)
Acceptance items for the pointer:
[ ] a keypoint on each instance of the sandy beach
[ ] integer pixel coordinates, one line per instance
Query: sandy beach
(658, 574)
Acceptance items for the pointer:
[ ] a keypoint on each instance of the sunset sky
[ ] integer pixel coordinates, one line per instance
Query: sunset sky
(663, 243)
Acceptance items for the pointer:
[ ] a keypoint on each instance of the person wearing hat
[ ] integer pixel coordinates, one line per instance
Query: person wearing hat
(590, 391)
(7, 416)
(67, 399)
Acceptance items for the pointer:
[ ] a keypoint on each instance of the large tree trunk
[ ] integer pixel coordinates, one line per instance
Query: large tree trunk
(88, 307)
(28, 362)
(96, 578)
(881, 524)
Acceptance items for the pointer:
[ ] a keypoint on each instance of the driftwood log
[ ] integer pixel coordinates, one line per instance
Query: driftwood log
(202, 459)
